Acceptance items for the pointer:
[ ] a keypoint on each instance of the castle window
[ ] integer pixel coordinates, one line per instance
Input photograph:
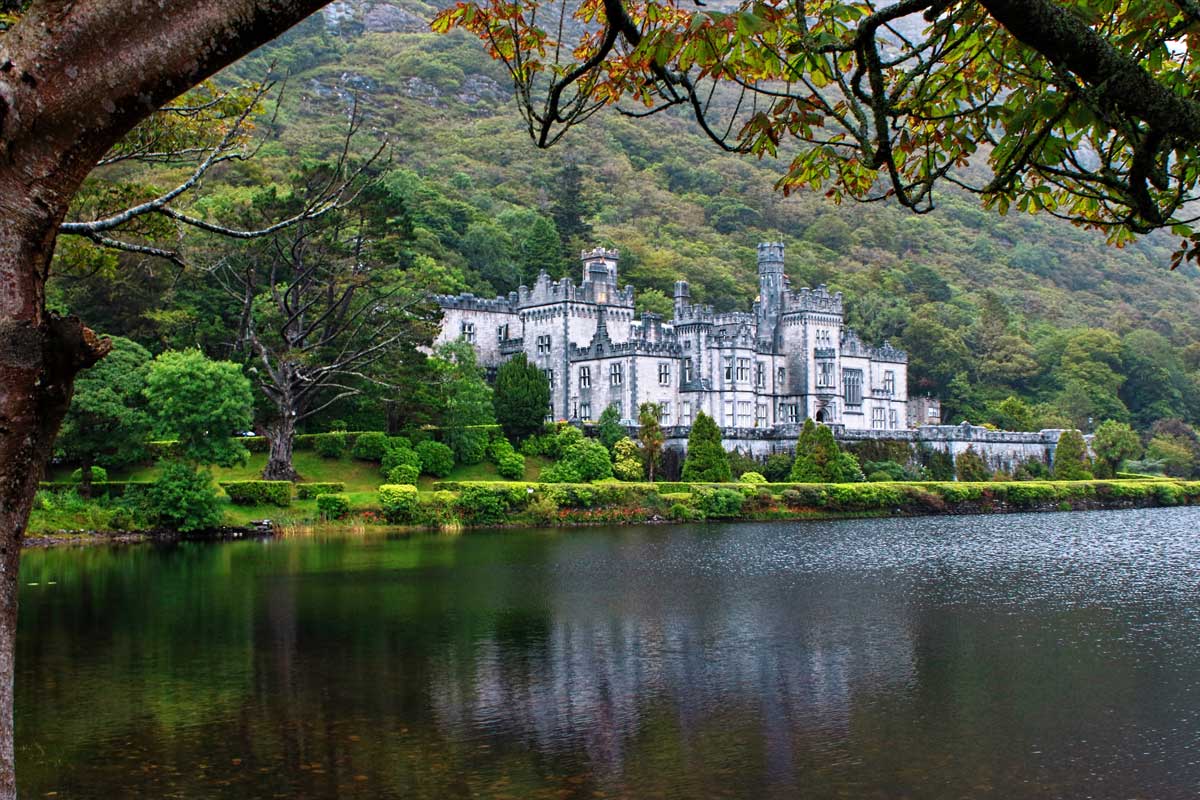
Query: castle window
(468, 331)
(685, 413)
(760, 415)
(743, 370)
(502, 332)
(825, 374)
(616, 375)
(852, 379)
(760, 374)
(664, 413)
(585, 410)
(664, 373)
(543, 344)
(549, 377)
(585, 377)
(729, 419)
(728, 361)
(877, 418)
(617, 407)
(889, 382)
(743, 418)
(893, 419)
(780, 374)
(791, 412)
(687, 344)
(687, 370)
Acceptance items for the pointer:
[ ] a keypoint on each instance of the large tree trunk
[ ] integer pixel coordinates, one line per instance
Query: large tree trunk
(282, 435)
(74, 78)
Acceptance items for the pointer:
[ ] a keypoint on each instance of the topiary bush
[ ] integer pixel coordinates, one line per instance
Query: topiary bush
(329, 445)
(404, 473)
(436, 458)
(99, 475)
(398, 502)
(752, 478)
(395, 456)
(183, 498)
(333, 506)
(370, 446)
(307, 491)
(259, 493)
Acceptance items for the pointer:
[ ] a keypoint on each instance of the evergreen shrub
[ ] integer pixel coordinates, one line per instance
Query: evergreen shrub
(400, 455)
(259, 493)
(333, 506)
(437, 459)
(370, 446)
(398, 502)
(490, 505)
(718, 503)
(752, 477)
(183, 498)
(404, 473)
(329, 445)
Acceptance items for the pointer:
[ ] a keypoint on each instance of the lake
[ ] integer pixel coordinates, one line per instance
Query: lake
(1018, 656)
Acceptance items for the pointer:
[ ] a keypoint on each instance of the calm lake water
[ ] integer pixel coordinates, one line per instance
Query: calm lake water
(1025, 656)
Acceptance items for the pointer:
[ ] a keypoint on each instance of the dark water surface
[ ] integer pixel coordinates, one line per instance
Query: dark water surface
(1028, 656)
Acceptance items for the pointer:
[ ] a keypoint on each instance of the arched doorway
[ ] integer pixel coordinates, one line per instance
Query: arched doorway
(821, 415)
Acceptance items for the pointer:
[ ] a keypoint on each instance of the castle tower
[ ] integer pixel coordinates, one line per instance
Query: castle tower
(683, 297)
(770, 284)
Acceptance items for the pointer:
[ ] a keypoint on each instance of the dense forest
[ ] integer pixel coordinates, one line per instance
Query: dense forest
(1019, 321)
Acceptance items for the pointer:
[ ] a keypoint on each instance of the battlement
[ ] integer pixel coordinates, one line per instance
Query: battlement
(770, 257)
(469, 302)
(808, 300)
(546, 291)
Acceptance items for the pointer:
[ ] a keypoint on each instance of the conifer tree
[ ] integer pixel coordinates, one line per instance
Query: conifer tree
(650, 434)
(707, 461)
(520, 398)
(819, 459)
(1071, 462)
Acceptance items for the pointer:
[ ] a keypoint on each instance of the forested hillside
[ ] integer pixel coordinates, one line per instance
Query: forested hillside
(989, 307)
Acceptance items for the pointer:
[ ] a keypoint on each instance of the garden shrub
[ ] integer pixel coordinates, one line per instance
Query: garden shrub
(627, 460)
(584, 461)
(404, 473)
(686, 513)
(259, 493)
(970, 466)
(329, 445)
(370, 446)
(959, 492)
(489, 505)
(183, 498)
(778, 467)
(333, 506)
(542, 510)
(437, 510)
(752, 477)
(99, 475)
(437, 459)
(398, 502)
(306, 491)
(511, 465)
(1168, 494)
(396, 456)
(717, 503)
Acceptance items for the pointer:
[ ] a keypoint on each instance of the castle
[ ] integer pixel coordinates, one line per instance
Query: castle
(759, 374)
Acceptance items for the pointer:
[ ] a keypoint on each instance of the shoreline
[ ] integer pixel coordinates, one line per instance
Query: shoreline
(605, 517)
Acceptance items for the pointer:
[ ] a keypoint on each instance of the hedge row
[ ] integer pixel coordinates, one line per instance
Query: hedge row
(258, 444)
(259, 493)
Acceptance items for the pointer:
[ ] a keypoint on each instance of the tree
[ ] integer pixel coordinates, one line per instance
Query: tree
(651, 436)
(78, 77)
(970, 466)
(568, 208)
(202, 404)
(520, 397)
(466, 400)
(327, 304)
(1087, 115)
(655, 301)
(707, 461)
(609, 430)
(108, 424)
(627, 461)
(820, 460)
(1071, 462)
(1113, 443)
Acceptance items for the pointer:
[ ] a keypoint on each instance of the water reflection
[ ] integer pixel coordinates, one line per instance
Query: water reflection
(1023, 656)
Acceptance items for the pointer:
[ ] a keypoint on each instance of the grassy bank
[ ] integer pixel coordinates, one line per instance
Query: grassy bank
(462, 501)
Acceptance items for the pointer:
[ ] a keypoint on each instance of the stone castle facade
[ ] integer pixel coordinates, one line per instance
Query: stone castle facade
(759, 373)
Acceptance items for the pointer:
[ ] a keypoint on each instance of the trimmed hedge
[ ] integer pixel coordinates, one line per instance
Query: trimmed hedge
(329, 445)
(99, 488)
(307, 491)
(259, 493)
(398, 502)
(404, 473)
(333, 506)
